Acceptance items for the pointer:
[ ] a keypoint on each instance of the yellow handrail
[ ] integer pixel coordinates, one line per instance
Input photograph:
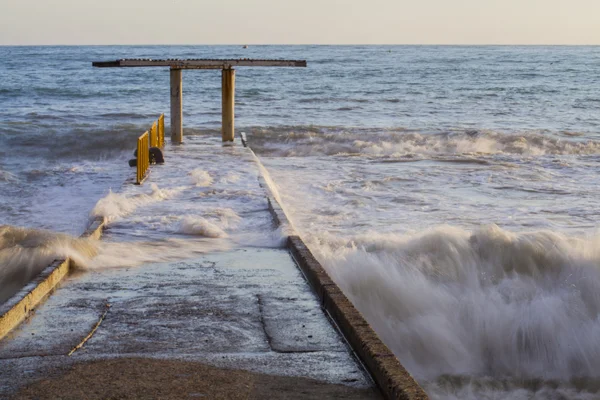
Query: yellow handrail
(161, 131)
(153, 135)
(143, 157)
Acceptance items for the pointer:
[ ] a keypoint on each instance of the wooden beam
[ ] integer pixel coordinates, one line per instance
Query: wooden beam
(176, 107)
(199, 63)
(228, 104)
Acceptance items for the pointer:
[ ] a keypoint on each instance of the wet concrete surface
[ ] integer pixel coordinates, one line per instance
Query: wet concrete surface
(235, 308)
(246, 309)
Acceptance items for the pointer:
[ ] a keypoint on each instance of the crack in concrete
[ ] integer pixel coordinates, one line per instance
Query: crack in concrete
(94, 329)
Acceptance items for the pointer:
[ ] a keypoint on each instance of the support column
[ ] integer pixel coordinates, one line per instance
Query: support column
(176, 107)
(228, 93)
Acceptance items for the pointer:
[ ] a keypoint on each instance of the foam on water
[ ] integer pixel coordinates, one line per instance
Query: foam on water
(7, 176)
(138, 253)
(201, 177)
(303, 141)
(201, 227)
(115, 205)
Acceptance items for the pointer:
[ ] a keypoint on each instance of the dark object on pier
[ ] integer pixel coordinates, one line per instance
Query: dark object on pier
(156, 156)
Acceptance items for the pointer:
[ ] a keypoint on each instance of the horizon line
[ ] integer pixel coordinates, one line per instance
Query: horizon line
(310, 44)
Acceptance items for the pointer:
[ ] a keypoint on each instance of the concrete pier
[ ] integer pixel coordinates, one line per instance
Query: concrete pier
(242, 312)
(176, 106)
(228, 84)
(246, 309)
(237, 315)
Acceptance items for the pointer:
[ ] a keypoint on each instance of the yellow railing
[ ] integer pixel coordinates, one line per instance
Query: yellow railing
(153, 135)
(157, 132)
(143, 157)
(161, 131)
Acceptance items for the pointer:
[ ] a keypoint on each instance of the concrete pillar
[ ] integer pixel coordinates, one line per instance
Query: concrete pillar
(176, 107)
(228, 92)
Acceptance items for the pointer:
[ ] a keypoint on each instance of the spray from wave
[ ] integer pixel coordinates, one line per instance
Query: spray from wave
(201, 227)
(115, 206)
(134, 254)
(462, 308)
(24, 253)
(201, 178)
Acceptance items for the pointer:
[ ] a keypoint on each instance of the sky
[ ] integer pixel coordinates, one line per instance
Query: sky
(71, 22)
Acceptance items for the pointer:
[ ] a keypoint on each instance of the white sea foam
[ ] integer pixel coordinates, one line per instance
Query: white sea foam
(116, 205)
(8, 176)
(201, 177)
(201, 227)
(393, 143)
(230, 178)
(227, 217)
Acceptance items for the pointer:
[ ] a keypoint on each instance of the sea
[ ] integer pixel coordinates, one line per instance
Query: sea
(450, 191)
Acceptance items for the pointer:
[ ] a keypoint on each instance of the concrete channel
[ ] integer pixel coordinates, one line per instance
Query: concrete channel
(242, 322)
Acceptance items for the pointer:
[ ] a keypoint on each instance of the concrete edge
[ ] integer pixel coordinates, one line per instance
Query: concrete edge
(394, 381)
(275, 208)
(23, 303)
(390, 376)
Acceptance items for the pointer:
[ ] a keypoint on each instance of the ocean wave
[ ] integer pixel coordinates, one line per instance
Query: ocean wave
(80, 143)
(24, 253)
(482, 303)
(304, 141)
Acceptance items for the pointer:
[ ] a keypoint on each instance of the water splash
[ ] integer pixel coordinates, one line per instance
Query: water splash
(115, 206)
(201, 227)
(24, 253)
(201, 178)
(482, 304)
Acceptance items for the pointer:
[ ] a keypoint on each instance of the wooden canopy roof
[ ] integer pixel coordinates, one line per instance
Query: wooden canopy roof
(202, 63)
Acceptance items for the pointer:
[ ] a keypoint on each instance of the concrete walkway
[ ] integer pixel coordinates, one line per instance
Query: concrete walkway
(240, 323)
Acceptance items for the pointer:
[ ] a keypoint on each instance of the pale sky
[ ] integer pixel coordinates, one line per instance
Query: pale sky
(25, 22)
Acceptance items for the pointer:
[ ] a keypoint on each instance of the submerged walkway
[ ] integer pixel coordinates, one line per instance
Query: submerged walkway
(227, 316)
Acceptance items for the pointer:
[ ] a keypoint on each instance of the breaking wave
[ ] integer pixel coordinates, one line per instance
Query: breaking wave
(80, 143)
(459, 306)
(116, 205)
(305, 141)
(24, 253)
(201, 227)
